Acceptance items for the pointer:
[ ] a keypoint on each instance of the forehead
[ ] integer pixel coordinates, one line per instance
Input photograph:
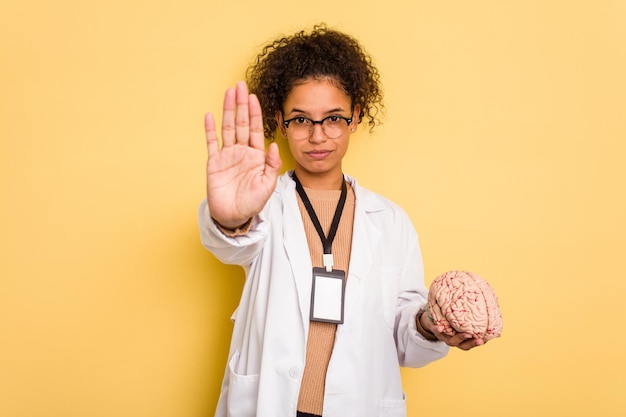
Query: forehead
(315, 95)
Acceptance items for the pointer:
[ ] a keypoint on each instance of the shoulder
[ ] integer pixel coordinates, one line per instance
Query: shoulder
(284, 188)
(284, 184)
(372, 201)
(377, 205)
(284, 194)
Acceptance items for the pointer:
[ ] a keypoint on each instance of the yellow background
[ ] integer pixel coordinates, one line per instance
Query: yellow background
(504, 141)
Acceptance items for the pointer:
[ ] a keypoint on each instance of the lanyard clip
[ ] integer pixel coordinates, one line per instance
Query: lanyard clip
(328, 262)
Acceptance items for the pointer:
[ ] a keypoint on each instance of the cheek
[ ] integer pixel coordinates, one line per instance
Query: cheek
(342, 147)
(294, 148)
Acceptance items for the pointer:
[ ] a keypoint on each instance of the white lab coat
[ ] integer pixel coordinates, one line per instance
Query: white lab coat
(384, 292)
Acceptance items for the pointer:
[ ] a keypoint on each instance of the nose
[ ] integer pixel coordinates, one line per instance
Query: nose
(317, 134)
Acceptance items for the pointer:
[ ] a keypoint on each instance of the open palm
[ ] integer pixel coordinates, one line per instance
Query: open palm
(242, 174)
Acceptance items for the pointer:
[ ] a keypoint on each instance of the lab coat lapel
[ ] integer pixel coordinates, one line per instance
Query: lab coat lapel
(365, 240)
(296, 247)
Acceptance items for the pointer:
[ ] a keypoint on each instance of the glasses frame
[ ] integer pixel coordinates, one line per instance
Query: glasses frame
(320, 122)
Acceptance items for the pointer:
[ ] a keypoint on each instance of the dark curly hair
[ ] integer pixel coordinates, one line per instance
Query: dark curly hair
(319, 54)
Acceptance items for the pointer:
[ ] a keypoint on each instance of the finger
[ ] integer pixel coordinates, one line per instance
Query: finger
(470, 344)
(256, 123)
(211, 136)
(228, 121)
(242, 119)
(454, 340)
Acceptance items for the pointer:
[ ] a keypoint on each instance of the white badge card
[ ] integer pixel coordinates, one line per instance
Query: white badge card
(327, 295)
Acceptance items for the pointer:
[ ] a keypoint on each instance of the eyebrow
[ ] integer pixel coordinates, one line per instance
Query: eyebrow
(335, 110)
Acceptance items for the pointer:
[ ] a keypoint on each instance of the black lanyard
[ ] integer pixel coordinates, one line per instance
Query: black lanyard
(327, 242)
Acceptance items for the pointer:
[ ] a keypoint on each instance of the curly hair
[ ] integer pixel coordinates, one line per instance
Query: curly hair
(322, 53)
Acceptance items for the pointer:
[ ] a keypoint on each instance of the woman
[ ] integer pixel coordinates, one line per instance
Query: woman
(333, 302)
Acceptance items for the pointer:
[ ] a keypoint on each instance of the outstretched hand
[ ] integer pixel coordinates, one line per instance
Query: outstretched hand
(242, 174)
(463, 341)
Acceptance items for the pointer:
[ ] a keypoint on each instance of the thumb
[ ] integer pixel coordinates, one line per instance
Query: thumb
(272, 160)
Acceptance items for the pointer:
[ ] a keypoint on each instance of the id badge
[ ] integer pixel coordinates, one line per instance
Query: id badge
(327, 295)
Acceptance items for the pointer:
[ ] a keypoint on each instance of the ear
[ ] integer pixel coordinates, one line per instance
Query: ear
(279, 119)
(355, 118)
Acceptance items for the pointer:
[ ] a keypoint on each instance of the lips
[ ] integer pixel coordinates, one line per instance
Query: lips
(318, 154)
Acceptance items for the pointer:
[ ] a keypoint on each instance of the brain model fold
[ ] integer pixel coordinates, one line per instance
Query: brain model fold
(463, 302)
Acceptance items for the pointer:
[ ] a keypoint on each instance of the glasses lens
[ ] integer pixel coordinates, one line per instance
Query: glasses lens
(300, 128)
(334, 126)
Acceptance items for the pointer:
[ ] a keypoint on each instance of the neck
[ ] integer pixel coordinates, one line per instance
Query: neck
(320, 182)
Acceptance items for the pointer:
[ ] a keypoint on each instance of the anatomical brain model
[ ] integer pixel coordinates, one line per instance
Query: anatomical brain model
(463, 302)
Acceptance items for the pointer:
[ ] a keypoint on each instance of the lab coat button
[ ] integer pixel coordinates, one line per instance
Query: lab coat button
(294, 372)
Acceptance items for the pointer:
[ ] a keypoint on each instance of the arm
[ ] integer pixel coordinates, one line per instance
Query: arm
(235, 249)
(414, 348)
(241, 176)
(419, 340)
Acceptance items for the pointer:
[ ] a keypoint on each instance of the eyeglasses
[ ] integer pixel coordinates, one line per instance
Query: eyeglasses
(302, 127)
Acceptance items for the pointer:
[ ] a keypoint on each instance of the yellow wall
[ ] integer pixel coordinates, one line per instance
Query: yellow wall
(504, 141)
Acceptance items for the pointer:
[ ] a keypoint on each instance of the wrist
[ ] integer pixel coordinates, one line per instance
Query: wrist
(421, 329)
(234, 231)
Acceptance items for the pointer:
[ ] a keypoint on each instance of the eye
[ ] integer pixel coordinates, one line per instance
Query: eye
(333, 120)
(301, 120)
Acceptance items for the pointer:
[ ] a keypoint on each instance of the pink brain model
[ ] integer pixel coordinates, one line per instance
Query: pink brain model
(463, 302)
